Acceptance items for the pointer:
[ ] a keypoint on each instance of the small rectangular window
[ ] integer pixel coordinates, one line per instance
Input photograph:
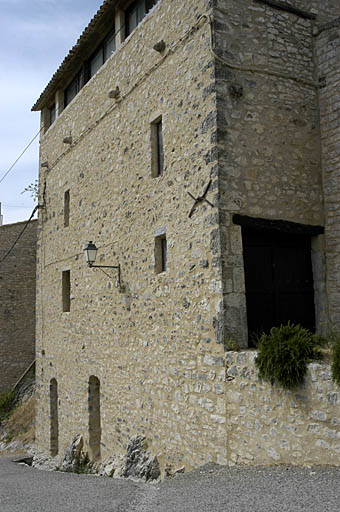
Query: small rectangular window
(52, 112)
(157, 150)
(110, 45)
(97, 61)
(66, 208)
(160, 254)
(66, 290)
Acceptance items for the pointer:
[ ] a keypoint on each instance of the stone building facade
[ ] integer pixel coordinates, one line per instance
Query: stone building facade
(17, 309)
(198, 155)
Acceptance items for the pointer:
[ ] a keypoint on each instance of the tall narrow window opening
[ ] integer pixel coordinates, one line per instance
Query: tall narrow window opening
(66, 290)
(160, 153)
(160, 254)
(54, 426)
(94, 417)
(66, 208)
(157, 164)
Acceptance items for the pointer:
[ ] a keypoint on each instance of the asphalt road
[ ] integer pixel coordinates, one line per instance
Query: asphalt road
(209, 489)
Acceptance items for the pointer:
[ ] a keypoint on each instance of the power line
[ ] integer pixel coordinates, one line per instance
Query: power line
(16, 206)
(60, 109)
(21, 154)
(20, 235)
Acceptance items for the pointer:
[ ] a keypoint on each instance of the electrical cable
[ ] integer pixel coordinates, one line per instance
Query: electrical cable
(20, 234)
(16, 206)
(21, 154)
(254, 69)
(61, 108)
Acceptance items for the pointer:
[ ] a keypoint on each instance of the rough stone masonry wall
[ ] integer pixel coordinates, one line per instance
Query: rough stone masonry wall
(152, 346)
(325, 10)
(17, 305)
(328, 55)
(269, 425)
(268, 131)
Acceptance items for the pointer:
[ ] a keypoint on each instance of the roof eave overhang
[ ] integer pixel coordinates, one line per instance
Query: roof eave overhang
(79, 52)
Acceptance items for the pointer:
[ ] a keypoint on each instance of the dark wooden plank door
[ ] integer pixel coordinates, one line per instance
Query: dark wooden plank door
(279, 279)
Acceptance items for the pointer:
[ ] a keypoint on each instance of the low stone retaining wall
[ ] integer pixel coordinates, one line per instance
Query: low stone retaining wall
(269, 425)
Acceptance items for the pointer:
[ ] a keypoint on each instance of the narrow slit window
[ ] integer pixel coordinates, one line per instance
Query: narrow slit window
(160, 254)
(164, 253)
(66, 208)
(160, 152)
(157, 148)
(66, 290)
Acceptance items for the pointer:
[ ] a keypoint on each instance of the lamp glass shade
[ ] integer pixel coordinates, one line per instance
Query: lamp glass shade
(90, 251)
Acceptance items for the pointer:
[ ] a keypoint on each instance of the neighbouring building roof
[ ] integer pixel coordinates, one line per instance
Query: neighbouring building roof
(90, 37)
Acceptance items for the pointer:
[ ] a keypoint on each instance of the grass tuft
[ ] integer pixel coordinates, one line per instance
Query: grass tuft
(284, 353)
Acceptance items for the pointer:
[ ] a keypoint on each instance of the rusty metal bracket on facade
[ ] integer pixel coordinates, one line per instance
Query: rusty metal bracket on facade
(200, 199)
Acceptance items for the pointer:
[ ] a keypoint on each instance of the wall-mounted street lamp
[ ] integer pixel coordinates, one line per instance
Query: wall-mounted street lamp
(90, 251)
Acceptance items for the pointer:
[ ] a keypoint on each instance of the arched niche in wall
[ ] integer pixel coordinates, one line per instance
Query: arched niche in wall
(54, 425)
(94, 417)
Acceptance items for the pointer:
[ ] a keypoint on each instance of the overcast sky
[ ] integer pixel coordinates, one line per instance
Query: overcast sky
(35, 36)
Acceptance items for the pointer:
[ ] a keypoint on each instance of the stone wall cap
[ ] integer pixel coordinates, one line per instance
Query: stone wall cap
(3, 226)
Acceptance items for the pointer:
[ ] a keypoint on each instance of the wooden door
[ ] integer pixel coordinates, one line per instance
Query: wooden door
(279, 279)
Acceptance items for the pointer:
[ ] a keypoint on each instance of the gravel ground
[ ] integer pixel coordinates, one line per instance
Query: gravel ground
(208, 489)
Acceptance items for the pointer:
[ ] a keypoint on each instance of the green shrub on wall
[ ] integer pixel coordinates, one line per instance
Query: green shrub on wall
(284, 353)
